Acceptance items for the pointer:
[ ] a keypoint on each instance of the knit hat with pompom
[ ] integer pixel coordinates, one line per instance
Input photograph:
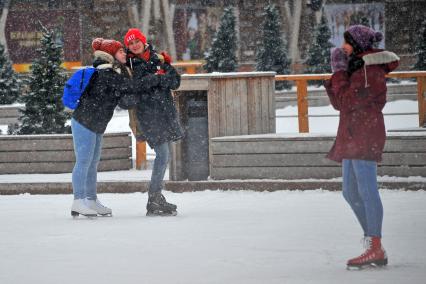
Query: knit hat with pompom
(107, 45)
(362, 37)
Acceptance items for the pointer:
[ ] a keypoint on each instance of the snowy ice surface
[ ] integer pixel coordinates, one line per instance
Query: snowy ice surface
(218, 237)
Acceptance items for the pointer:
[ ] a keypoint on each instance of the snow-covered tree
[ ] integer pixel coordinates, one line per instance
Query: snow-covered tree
(9, 83)
(44, 112)
(221, 56)
(271, 54)
(318, 60)
(420, 49)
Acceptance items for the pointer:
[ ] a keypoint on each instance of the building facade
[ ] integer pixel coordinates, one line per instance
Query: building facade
(193, 24)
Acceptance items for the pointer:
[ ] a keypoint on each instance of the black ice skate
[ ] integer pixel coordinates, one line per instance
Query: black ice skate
(158, 206)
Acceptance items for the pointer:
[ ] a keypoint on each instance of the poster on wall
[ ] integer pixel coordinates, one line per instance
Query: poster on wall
(341, 16)
(23, 37)
(194, 30)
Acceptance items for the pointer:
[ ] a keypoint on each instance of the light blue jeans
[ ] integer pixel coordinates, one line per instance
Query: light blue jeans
(159, 168)
(361, 192)
(87, 149)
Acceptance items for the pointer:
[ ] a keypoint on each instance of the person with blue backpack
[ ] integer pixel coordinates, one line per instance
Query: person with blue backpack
(94, 93)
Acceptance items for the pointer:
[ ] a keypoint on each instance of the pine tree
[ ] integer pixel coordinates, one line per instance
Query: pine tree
(319, 52)
(9, 83)
(271, 54)
(420, 49)
(44, 112)
(221, 56)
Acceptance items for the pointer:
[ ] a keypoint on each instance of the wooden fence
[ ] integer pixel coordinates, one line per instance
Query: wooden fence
(301, 81)
(20, 154)
(302, 156)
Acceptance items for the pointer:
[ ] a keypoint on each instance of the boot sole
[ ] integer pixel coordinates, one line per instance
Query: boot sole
(374, 264)
(156, 213)
(75, 214)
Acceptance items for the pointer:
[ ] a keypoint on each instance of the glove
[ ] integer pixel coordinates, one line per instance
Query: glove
(339, 60)
(167, 57)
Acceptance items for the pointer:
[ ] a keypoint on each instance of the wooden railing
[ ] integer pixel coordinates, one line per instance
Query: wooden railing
(190, 67)
(301, 81)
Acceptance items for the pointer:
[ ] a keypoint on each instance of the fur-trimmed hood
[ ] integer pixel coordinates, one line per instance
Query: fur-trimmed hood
(381, 57)
(378, 57)
(106, 61)
(104, 56)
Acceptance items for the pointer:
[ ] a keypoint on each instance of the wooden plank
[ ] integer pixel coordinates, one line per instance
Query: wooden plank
(271, 147)
(308, 159)
(228, 75)
(302, 106)
(409, 144)
(304, 172)
(229, 107)
(58, 143)
(224, 118)
(295, 77)
(214, 116)
(410, 159)
(59, 156)
(258, 106)
(275, 172)
(271, 98)
(60, 167)
(243, 92)
(193, 84)
(308, 146)
(272, 160)
(421, 99)
(401, 171)
(264, 98)
(236, 107)
(251, 106)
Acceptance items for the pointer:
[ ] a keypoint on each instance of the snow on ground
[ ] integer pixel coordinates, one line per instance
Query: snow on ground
(218, 237)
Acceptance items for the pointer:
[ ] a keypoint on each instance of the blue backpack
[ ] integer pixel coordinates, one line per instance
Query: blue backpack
(75, 87)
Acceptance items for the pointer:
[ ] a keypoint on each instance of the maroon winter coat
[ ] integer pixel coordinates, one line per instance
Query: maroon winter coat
(360, 99)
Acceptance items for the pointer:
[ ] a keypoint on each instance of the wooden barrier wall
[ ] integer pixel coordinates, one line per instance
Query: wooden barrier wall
(238, 103)
(24, 154)
(302, 156)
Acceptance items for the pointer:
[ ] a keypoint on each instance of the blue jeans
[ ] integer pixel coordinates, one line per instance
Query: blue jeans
(159, 168)
(87, 149)
(361, 192)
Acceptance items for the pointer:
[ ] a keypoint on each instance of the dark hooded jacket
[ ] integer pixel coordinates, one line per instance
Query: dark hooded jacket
(108, 85)
(360, 98)
(157, 120)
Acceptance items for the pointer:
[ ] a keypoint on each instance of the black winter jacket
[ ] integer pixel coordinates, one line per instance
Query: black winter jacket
(108, 85)
(157, 118)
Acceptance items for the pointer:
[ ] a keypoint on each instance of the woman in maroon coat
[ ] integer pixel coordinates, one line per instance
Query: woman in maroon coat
(357, 89)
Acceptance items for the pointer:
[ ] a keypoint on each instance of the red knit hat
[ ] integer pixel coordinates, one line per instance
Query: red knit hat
(134, 34)
(107, 45)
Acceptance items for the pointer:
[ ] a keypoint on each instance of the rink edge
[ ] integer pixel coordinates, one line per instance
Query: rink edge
(191, 186)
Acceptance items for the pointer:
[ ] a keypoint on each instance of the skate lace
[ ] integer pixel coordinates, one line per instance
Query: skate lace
(366, 242)
(100, 204)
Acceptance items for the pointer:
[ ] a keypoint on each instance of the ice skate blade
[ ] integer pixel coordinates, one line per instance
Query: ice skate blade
(157, 213)
(105, 215)
(75, 215)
